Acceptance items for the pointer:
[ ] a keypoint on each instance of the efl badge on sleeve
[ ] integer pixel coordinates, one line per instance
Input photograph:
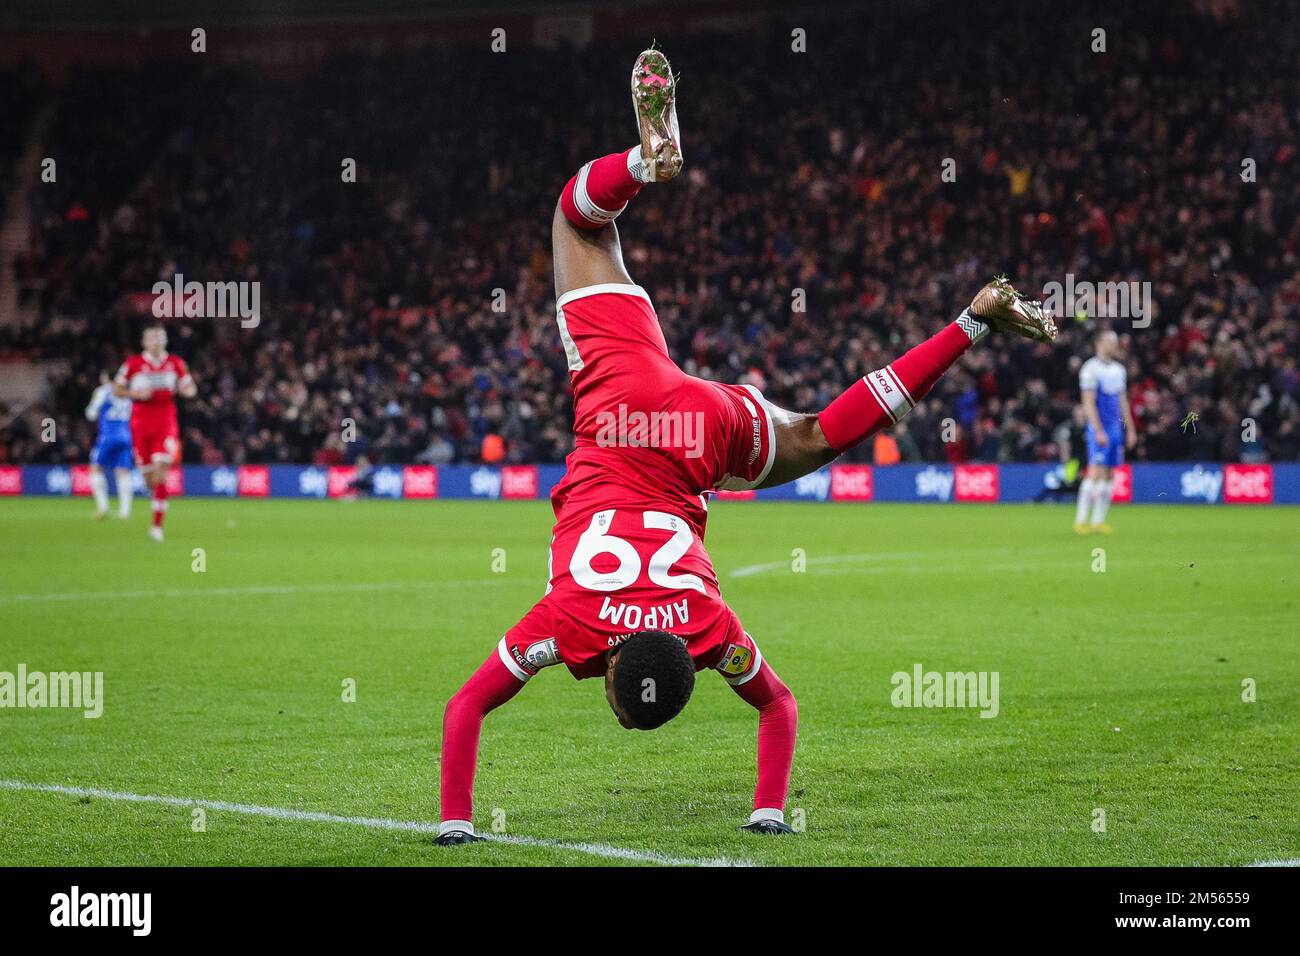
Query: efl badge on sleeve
(736, 661)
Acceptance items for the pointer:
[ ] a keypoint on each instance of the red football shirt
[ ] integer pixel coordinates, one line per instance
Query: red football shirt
(628, 548)
(646, 433)
(163, 377)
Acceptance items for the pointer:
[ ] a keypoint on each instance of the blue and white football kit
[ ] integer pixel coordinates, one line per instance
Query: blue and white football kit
(113, 448)
(1108, 379)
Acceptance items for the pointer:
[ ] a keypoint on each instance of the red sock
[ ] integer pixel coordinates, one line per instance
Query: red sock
(880, 398)
(601, 189)
(488, 688)
(159, 503)
(778, 723)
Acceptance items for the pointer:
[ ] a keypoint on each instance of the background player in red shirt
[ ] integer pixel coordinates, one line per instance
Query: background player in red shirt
(153, 379)
(632, 596)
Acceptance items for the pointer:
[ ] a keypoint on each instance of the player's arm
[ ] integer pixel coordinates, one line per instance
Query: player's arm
(122, 384)
(1130, 430)
(1091, 414)
(494, 683)
(778, 724)
(97, 399)
(801, 446)
(185, 386)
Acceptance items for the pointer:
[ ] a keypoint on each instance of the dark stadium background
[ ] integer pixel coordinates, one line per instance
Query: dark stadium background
(816, 171)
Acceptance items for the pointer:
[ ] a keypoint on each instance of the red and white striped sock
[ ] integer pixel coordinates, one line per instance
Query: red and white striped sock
(600, 190)
(159, 503)
(881, 398)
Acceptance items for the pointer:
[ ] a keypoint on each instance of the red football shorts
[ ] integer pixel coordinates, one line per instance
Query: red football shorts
(156, 440)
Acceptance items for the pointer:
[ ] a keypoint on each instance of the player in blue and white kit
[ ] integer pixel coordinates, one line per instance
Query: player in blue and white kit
(1103, 383)
(113, 448)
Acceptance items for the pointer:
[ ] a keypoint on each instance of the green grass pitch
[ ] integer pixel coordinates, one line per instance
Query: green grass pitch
(1120, 690)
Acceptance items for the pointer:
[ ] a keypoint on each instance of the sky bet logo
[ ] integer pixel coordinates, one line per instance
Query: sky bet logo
(1201, 483)
(58, 481)
(934, 483)
(485, 483)
(133, 910)
(816, 485)
(313, 482)
(225, 481)
(387, 482)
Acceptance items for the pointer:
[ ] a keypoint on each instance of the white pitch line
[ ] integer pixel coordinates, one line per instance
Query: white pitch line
(938, 568)
(377, 823)
(958, 561)
(240, 591)
(1293, 862)
(618, 853)
(749, 570)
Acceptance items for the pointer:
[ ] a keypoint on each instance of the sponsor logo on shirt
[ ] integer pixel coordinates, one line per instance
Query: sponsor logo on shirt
(536, 655)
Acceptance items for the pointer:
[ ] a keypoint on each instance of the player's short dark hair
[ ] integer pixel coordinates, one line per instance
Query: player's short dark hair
(662, 659)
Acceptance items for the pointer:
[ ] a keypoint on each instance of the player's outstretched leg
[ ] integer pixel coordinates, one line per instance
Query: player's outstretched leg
(881, 398)
(585, 246)
(601, 189)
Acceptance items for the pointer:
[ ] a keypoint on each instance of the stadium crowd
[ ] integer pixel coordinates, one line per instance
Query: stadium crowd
(812, 238)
